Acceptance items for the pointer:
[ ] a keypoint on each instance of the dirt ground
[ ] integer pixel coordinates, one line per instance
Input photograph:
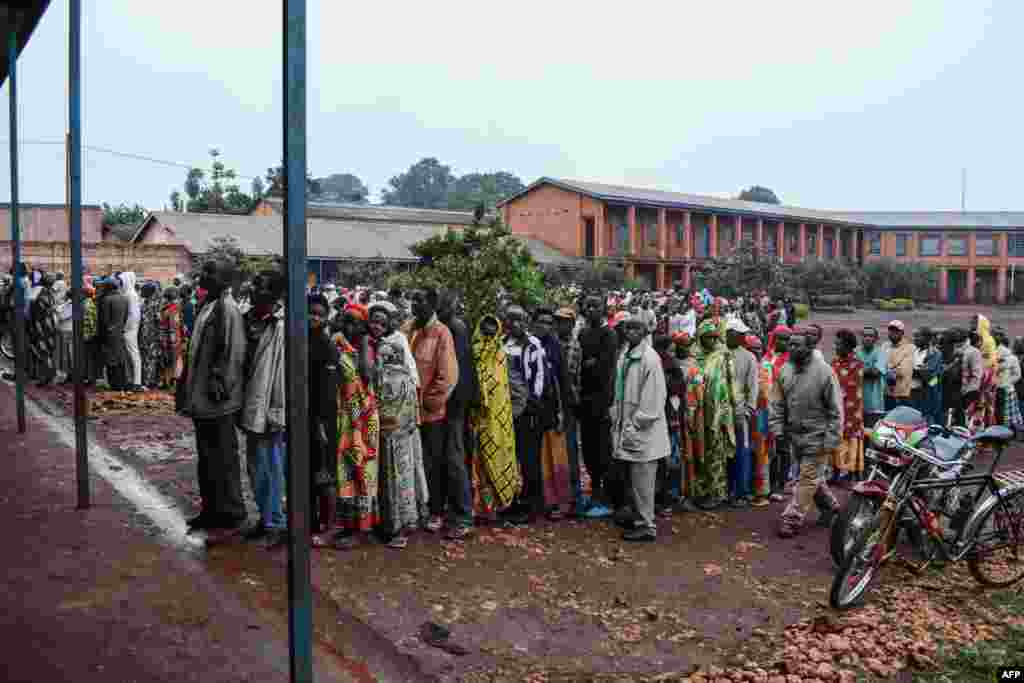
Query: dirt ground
(571, 601)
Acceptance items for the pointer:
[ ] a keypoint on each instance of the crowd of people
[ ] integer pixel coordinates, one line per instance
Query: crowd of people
(610, 405)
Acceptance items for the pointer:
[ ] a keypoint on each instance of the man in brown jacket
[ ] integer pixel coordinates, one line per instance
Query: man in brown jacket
(434, 349)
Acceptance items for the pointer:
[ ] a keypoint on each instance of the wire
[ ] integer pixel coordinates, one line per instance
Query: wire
(126, 155)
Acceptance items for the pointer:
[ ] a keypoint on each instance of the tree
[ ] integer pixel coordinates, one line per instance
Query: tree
(123, 214)
(757, 193)
(217, 192)
(742, 270)
(474, 189)
(342, 187)
(487, 266)
(276, 183)
(177, 203)
(257, 189)
(227, 248)
(888, 278)
(425, 185)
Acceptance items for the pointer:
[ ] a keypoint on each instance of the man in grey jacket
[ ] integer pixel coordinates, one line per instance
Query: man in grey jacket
(806, 414)
(212, 393)
(745, 371)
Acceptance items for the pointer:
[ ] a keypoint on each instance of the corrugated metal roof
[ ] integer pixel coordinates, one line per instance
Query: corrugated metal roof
(375, 212)
(328, 239)
(936, 219)
(680, 200)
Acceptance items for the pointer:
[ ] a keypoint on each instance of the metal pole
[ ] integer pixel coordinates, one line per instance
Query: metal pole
(19, 289)
(75, 197)
(300, 599)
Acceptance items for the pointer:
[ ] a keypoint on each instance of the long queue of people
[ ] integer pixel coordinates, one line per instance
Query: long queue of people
(616, 406)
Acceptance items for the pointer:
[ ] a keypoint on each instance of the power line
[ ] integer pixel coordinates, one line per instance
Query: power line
(125, 155)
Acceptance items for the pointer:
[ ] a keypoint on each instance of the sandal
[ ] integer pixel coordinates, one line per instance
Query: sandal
(342, 542)
(398, 542)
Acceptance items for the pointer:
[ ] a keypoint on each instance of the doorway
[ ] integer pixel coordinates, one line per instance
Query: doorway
(588, 238)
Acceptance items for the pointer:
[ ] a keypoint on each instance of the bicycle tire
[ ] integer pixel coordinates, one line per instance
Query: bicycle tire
(848, 528)
(848, 590)
(1008, 517)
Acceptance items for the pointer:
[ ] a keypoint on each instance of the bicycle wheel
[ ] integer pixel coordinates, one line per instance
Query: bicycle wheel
(851, 582)
(849, 528)
(997, 558)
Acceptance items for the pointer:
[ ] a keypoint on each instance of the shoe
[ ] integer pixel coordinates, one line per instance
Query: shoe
(640, 535)
(516, 517)
(685, 505)
(709, 504)
(597, 511)
(776, 497)
(459, 533)
(434, 524)
(760, 501)
(255, 532)
(739, 503)
(826, 518)
(276, 538)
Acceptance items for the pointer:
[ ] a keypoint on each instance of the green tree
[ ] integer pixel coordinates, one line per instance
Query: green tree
(257, 189)
(486, 265)
(227, 248)
(742, 270)
(177, 203)
(758, 193)
(276, 183)
(425, 185)
(123, 214)
(888, 278)
(218, 191)
(342, 187)
(474, 189)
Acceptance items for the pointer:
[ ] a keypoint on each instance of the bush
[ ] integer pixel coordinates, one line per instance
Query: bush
(832, 301)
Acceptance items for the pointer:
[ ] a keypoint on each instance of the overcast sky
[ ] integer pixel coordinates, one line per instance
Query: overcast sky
(868, 105)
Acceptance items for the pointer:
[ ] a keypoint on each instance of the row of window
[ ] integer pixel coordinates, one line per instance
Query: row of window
(931, 245)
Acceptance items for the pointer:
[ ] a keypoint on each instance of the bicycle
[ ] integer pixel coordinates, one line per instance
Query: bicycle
(980, 526)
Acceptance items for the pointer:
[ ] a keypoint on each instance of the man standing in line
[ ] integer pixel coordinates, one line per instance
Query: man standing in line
(745, 387)
(598, 351)
(875, 366)
(434, 350)
(212, 394)
(900, 357)
(806, 412)
(466, 393)
(639, 429)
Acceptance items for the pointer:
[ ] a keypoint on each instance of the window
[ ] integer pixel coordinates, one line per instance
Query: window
(986, 245)
(828, 248)
(957, 246)
(1015, 245)
(652, 234)
(931, 245)
(875, 244)
(812, 244)
(680, 234)
(901, 245)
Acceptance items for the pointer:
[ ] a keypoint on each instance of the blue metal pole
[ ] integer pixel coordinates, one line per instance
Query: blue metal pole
(19, 288)
(300, 599)
(75, 213)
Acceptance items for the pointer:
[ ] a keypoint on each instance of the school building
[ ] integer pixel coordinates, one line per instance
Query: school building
(658, 236)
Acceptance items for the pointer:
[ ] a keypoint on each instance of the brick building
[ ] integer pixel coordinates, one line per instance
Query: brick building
(659, 236)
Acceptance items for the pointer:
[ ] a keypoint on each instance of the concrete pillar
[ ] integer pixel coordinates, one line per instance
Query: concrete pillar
(820, 245)
(659, 279)
(943, 285)
(687, 283)
(970, 285)
(1001, 285)
(600, 236)
(738, 239)
(632, 248)
(780, 234)
(662, 233)
(713, 236)
(837, 243)
(759, 235)
(802, 251)
(687, 238)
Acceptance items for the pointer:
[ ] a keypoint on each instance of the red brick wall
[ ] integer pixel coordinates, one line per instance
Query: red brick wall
(160, 262)
(50, 224)
(549, 214)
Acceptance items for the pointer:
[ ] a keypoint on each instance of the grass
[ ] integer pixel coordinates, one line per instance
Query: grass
(978, 663)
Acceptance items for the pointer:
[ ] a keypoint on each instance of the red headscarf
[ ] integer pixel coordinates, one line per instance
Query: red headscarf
(358, 311)
(777, 359)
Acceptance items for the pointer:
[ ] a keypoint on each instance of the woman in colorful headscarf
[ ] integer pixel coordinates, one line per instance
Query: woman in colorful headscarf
(358, 440)
(403, 481)
(760, 436)
(691, 433)
(171, 338)
(848, 459)
(716, 366)
(495, 469)
(985, 408)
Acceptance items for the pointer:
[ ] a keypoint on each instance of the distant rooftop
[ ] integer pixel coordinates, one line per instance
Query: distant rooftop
(935, 219)
(378, 212)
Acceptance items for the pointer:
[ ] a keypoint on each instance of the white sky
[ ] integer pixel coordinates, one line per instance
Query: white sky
(868, 105)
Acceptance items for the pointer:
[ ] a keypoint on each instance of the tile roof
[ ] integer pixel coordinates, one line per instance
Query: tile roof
(672, 200)
(936, 219)
(376, 212)
(328, 239)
